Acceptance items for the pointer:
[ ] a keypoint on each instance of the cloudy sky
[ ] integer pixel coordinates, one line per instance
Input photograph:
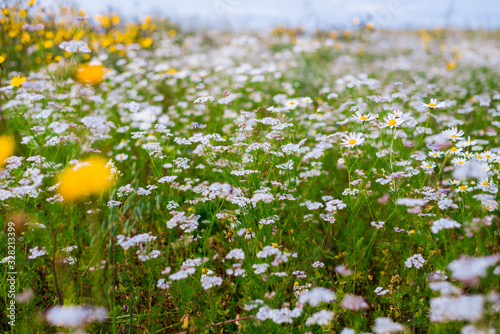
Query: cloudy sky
(262, 14)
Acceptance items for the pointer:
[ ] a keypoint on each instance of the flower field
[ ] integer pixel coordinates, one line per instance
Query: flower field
(160, 181)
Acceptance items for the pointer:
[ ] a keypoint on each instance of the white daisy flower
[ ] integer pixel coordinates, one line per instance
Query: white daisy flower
(434, 104)
(121, 157)
(363, 118)
(352, 139)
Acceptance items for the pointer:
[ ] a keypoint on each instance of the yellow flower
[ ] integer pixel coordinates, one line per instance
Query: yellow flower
(31, 2)
(48, 44)
(90, 74)
(7, 146)
(146, 42)
(17, 81)
(90, 177)
(2, 58)
(451, 65)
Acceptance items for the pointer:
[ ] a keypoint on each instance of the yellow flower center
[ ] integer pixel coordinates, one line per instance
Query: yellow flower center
(392, 122)
(453, 149)
(487, 156)
(352, 142)
(427, 166)
(432, 105)
(453, 136)
(460, 162)
(463, 188)
(484, 183)
(363, 118)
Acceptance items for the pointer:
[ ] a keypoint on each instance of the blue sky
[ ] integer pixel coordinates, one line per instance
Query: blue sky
(262, 14)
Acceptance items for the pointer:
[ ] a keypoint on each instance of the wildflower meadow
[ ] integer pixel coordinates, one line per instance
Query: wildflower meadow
(154, 180)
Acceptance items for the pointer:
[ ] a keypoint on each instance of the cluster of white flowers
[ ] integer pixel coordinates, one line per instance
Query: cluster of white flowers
(204, 99)
(443, 223)
(35, 252)
(463, 308)
(353, 302)
(380, 291)
(415, 260)
(72, 316)
(75, 46)
(387, 326)
(188, 224)
(137, 240)
(209, 280)
(321, 318)
(279, 316)
(469, 269)
(236, 254)
(316, 296)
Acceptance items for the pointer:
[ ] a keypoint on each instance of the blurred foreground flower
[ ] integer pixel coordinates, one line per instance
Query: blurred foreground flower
(72, 316)
(90, 74)
(89, 177)
(17, 81)
(7, 146)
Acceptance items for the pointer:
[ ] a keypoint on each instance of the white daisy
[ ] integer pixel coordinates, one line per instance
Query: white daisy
(121, 157)
(363, 118)
(291, 104)
(352, 139)
(434, 104)
(392, 122)
(454, 134)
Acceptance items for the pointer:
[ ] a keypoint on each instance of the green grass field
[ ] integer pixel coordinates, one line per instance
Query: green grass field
(160, 181)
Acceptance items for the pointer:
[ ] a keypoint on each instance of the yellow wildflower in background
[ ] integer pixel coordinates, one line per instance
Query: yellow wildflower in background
(451, 65)
(17, 81)
(146, 42)
(90, 177)
(90, 74)
(7, 146)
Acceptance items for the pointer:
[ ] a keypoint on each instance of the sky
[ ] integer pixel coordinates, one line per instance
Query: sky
(263, 14)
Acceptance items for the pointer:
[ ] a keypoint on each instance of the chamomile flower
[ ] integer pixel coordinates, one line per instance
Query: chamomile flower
(435, 154)
(391, 121)
(433, 104)
(352, 139)
(307, 100)
(121, 157)
(291, 104)
(466, 143)
(455, 150)
(489, 156)
(454, 134)
(463, 188)
(363, 118)
(458, 161)
(398, 114)
(467, 155)
(485, 182)
(428, 165)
